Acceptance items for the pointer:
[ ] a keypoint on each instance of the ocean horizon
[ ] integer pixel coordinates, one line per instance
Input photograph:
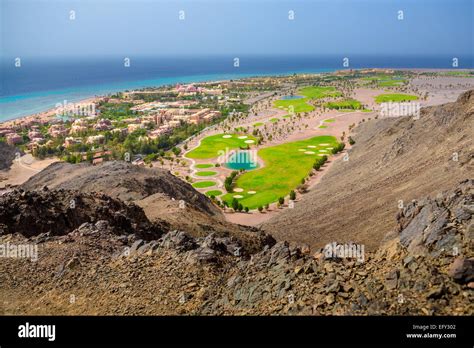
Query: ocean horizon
(41, 83)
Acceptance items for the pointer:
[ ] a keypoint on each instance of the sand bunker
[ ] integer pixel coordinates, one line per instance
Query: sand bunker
(249, 141)
(311, 146)
(243, 137)
(309, 152)
(324, 144)
(302, 150)
(238, 189)
(238, 196)
(252, 192)
(227, 136)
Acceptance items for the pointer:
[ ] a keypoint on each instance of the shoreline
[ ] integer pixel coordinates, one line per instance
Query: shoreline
(134, 85)
(48, 112)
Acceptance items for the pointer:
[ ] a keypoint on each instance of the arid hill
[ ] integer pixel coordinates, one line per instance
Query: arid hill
(7, 155)
(393, 161)
(163, 197)
(426, 267)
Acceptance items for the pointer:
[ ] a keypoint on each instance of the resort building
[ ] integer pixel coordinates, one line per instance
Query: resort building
(13, 139)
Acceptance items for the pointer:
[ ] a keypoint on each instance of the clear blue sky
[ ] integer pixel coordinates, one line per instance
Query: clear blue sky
(237, 27)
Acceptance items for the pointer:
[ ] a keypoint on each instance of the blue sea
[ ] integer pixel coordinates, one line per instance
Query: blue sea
(40, 83)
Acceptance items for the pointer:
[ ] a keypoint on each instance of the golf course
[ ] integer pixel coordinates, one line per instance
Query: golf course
(285, 167)
(396, 98)
(211, 146)
(308, 93)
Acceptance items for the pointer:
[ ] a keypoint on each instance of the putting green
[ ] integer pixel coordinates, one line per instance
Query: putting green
(206, 173)
(301, 105)
(203, 184)
(396, 97)
(214, 193)
(204, 165)
(210, 146)
(285, 167)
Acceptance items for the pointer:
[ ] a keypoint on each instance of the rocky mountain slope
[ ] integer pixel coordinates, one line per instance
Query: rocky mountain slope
(393, 161)
(425, 267)
(7, 155)
(162, 196)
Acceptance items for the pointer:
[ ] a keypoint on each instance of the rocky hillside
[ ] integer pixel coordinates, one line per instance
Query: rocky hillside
(120, 180)
(163, 197)
(59, 212)
(425, 266)
(7, 155)
(393, 161)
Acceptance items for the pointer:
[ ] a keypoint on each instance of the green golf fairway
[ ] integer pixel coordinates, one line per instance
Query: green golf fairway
(300, 105)
(213, 193)
(203, 184)
(206, 173)
(285, 167)
(204, 165)
(210, 146)
(396, 97)
(345, 104)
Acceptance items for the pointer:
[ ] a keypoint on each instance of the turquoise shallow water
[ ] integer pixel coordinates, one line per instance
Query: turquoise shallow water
(41, 83)
(16, 106)
(291, 97)
(242, 160)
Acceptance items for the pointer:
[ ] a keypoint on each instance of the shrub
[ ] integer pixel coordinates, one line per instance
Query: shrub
(351, 141)
(246, 209)
(292, 195)
(260, 208)
(235, 204)
(281, 200)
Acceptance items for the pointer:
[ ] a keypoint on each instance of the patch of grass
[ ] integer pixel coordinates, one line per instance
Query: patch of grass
(286, 116)
(284, 169)
(204, 165)
(210, 146)
(203, 184)
(348, 104)
(258, 124)
(273, 120)
(301, 105)
(385, 80)
(322, 127)
(213, 193)
(395, 97)
(206, 173)
(330, 120)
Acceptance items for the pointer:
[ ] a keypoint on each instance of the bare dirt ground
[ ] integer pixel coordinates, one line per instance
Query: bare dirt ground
(22, 169)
